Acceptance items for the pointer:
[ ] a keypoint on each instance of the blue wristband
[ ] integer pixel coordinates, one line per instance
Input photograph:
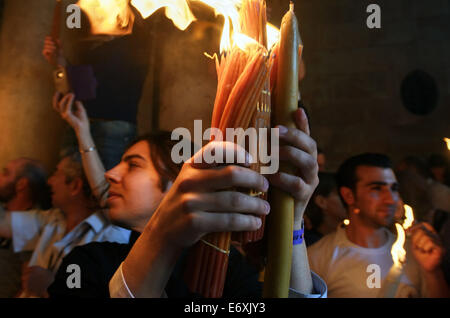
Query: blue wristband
(298, 235)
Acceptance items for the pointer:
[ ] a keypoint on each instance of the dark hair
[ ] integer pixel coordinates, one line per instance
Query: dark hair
(36, 174)
(74, 169)
(346, 174)
(327, 183)
(161, 144)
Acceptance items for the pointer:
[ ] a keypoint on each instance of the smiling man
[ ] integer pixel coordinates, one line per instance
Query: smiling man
(346, 258)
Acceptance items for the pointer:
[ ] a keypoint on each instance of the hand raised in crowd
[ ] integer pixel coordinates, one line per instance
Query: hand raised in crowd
(51, 50)
(201, 200)
(73, 112)
(299, 150)
(426, 247)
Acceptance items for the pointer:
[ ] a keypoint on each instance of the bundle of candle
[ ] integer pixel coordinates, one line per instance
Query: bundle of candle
(242, 101)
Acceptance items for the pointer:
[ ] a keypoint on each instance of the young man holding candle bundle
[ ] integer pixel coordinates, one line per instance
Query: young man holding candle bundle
(354, 261)
(173, 215)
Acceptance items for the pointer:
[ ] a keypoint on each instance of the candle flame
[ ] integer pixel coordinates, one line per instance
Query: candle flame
(409, 220)
(447, 140)
(273, 35)
(397, 251)
(346, 222)
(115, 17)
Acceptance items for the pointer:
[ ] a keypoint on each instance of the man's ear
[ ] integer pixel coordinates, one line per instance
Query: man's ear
(348, 195)
(22, 184)
(76, 186)
(320, 201)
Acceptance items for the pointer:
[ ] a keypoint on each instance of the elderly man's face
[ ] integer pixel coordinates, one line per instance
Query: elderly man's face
(8, 179)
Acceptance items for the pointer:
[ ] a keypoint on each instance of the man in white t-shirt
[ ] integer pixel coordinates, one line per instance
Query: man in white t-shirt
(354, 261)
(54, 233)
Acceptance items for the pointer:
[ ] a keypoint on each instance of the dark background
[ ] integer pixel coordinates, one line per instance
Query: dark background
(352, 89)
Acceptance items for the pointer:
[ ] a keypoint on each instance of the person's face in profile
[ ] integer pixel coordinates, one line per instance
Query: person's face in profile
(135, 191)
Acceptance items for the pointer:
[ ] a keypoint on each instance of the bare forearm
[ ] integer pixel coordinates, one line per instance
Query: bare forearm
(92, 165)
(148, 266)
(301, 279)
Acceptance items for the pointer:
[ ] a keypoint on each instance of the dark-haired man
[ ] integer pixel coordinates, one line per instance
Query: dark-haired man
(354, 261)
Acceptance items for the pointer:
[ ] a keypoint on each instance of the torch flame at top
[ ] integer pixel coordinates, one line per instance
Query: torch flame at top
(112, 17)
(447, 140)
(115, 17)
(176, 10)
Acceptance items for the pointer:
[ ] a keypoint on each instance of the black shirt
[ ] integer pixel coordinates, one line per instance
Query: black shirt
(99, 261)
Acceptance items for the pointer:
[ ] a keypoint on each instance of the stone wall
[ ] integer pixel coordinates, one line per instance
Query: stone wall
(28, 126)
(352, 86)
(351, 89)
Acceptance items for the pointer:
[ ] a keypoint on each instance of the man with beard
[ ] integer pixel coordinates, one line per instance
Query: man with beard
(346, 258)
(54, 233)
(23, 186)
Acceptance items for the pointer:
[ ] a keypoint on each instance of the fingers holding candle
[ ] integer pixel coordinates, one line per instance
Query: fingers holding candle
(426, 247)
(224, 178)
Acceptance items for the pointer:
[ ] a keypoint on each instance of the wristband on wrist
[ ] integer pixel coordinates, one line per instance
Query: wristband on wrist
(298, 235)
(83, 151)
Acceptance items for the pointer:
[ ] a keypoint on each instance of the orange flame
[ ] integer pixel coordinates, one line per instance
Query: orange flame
(176, 10)
(112, 17)
(115, 17)
(409, 220)
(447, 140)
(397, 251)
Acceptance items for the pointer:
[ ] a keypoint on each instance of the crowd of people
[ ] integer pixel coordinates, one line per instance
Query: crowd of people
(126, 214)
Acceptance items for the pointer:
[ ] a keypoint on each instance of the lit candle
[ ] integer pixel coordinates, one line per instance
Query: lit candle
(393, 279)
(281, 219)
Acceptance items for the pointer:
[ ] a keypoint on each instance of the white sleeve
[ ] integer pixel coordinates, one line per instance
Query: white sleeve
(26, 229)
(319, 289)
(118, 287)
